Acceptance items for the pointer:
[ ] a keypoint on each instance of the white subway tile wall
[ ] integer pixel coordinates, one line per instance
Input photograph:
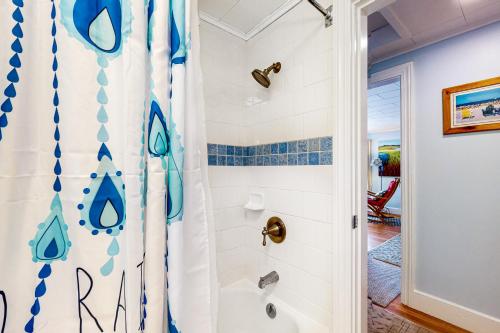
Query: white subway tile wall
(241, 113)
(302, 197)
(297, 105)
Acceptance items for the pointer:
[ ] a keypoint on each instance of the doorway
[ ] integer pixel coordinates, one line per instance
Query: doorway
(350, 92)
(384, 192)
(390, 133)
(399, 209)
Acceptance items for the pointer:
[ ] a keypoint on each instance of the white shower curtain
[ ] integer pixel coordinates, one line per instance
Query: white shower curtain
(102, 154)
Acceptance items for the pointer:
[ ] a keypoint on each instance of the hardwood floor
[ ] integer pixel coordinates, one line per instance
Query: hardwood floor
(379, 233)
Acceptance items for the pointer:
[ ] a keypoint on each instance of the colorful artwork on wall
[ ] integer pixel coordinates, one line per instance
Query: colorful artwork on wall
(472, 107)
(389, 153)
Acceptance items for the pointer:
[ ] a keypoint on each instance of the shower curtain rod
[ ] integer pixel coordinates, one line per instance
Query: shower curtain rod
(327, 13)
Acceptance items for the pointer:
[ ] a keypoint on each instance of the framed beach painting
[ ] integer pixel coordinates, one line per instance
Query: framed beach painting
(472, 107)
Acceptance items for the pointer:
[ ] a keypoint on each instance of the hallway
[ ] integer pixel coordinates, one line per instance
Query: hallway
(378, 234)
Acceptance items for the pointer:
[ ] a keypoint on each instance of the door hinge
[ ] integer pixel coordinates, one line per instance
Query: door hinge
(355, 221)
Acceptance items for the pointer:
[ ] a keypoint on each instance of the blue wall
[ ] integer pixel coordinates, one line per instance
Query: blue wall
(457, 177)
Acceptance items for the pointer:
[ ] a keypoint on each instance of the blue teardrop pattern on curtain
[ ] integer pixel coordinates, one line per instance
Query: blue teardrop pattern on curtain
(40, 291)
(175, 191)
(171, 322)
(178, 50)
(150, 11)
(107, 208)
(99, 22)
(51, 241)
(158, 140)
(144, 302)
(113, 250)
(101, 25)
(175, 186)
(143, 174)
(161, 144)
(10, 93)
(178, 56)
(103, 205)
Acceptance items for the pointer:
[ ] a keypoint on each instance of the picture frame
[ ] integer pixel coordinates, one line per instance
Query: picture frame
(472, 107)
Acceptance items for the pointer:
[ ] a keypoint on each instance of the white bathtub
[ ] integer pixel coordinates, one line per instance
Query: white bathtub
(242, 309)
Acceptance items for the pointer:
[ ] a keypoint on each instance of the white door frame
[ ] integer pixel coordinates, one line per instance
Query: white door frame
(349, 248)
(405, 73)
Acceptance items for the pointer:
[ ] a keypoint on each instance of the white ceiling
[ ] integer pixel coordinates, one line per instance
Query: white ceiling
(244, 18)
(400, 27)
(384, 107)
(416, 23)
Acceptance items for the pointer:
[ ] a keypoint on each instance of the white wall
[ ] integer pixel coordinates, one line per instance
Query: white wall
(229, 193)
(225, 77)
(302, 197)
(457, 178)
(395, 203)
(297, 106)
(299, 101)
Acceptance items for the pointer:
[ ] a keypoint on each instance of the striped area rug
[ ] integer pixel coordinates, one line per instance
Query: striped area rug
(384, 281)
(389, 251)
(384, 272)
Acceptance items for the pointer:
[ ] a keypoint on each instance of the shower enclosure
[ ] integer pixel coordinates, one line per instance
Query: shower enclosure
(270, 160)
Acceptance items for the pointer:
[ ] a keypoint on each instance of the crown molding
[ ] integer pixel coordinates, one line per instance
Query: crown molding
(267, 21)
(276, 15)
(221, 25)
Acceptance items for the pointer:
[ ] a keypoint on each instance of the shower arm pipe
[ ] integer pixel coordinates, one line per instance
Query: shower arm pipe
(272, 68)
(319, 7)
(327, 13)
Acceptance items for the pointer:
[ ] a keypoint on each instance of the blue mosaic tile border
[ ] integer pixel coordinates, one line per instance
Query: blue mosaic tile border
(315, 151)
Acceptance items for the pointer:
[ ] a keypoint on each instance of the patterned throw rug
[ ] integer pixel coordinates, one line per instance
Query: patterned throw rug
(389, 251)
(382, 321)
(392, 221)
(384, 282)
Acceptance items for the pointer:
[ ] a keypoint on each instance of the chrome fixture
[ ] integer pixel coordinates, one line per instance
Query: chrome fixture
(262, 77)
(275, 230)
(271, 310)
(327, 13)
(270, 278)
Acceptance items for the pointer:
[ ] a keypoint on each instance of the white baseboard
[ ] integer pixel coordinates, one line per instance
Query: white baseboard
(453, 313)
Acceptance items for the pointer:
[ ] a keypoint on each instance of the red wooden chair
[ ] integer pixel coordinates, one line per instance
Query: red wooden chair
(377, 202)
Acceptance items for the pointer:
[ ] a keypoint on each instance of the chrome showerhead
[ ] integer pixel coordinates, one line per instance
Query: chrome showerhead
(262, 76)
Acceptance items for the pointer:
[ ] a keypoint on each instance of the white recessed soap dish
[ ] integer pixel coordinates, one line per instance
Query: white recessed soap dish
(255, 202)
